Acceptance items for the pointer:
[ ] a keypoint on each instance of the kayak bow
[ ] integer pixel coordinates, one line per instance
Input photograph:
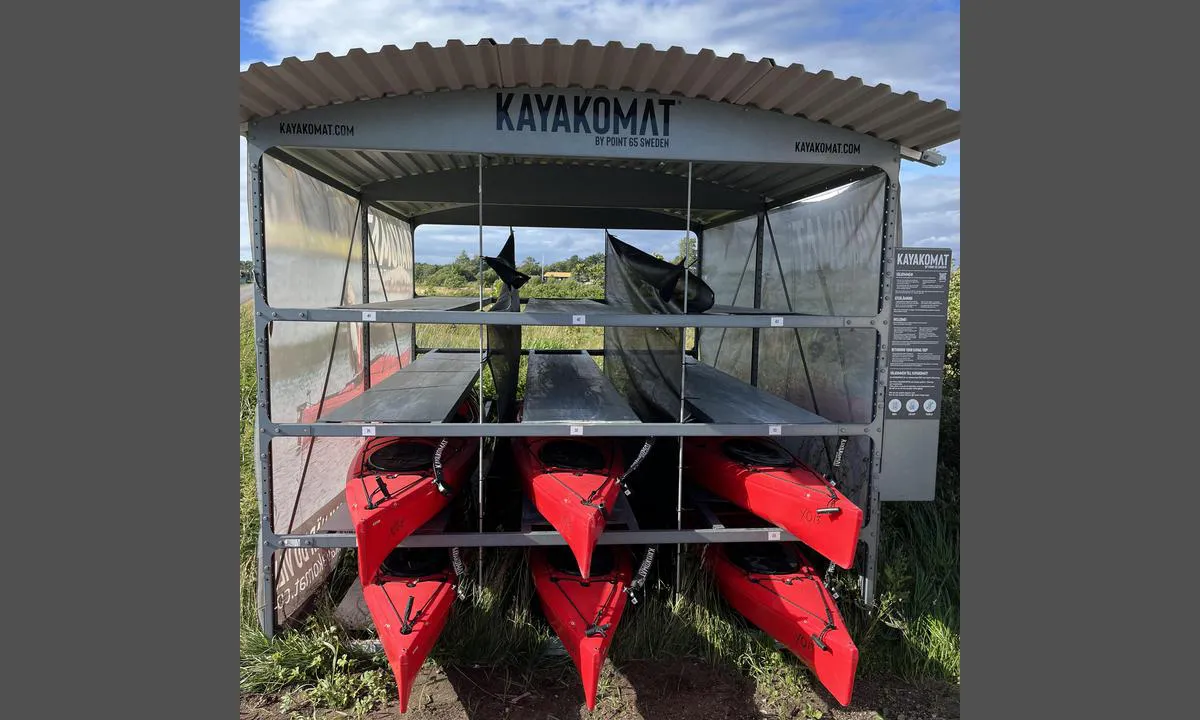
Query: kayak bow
(776, 589)
(584, 613)
(573, 484)
(410, 604)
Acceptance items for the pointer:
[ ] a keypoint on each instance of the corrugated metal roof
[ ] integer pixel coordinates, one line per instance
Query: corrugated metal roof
(876, 110)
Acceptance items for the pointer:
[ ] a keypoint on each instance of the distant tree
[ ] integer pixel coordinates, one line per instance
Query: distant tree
(530, 267)
(687, 244)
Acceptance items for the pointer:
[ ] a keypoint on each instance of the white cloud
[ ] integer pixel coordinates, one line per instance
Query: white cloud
(904, 47)
(929, 207)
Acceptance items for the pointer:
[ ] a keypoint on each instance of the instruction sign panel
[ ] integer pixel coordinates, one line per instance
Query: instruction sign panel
(920, 293)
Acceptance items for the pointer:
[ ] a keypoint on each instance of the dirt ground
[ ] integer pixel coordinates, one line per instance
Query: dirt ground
(635, 691)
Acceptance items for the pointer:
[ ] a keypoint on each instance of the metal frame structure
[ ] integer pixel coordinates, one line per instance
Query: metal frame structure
(266, 97)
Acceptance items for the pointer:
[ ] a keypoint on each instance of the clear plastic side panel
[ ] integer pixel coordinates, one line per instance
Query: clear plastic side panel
(313, 259)
(822, 255)
(389, 277)
(829, 371)
(728, 267)
(310, 377)
(313, 240)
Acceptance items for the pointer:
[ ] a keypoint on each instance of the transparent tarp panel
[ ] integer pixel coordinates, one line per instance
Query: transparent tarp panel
(728, 262)
(389, 277)
(822, 255)
(830, 371)
(314, 259)
(313, 240)
(315, 367)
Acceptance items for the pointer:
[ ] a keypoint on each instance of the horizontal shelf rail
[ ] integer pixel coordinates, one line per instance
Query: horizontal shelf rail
(602, 319)
(565, 429)
(544, 537)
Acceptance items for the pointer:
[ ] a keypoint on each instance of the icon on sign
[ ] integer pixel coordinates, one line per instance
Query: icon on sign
(894, 405)
(912, 405)
(930, 405)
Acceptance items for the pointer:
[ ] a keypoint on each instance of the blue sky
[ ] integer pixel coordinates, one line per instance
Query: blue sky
(912, 46)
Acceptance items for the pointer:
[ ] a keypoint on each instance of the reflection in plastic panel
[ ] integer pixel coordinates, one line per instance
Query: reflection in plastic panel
(389, 277)
(729, 267)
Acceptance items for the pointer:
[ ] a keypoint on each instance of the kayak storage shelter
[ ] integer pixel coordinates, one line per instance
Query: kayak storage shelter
(788, 180)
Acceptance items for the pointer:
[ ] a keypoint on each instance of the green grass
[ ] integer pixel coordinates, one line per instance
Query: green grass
(913, 634)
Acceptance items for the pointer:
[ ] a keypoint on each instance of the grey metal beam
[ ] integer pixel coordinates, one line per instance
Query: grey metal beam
(548, 216)
(566, 429)
(425, 302)
(536, 538)
(576, 186)
(757, 319)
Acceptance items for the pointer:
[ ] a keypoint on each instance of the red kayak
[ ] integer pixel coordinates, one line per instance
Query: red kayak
(393, 489)
(573, 484)
(584, 613)
(410, 603)
(775, 588)
(762, 477)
